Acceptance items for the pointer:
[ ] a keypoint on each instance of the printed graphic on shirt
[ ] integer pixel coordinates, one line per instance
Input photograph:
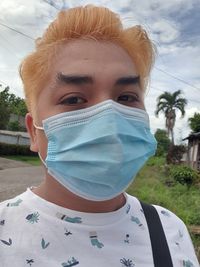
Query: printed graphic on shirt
(137, 221)
(188, 263)
(2, 222)
(179, 238)
(127, 239)
(15, 204)
(94, 240)
(127, 262)
(30, 262)
(70, 263)
(165, 213)
(33, 217)
(8, 243)
(68, 219)
(44, 244)
(67, 233)
(41, 241)
(180, 234)
(128, 208)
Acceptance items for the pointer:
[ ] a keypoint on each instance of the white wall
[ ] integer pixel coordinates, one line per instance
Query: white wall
(10, 137)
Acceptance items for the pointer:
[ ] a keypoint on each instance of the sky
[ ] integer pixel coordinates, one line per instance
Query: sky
(173, 26)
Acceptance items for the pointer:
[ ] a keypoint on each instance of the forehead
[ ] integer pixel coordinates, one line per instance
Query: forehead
(104, 62)
(92, 57)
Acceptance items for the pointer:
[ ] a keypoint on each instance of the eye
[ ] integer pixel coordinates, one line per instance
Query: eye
(128, 98)
(73, 100)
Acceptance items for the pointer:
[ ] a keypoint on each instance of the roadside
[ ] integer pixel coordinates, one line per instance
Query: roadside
(32, 160)
(16, 176)
(7, 164)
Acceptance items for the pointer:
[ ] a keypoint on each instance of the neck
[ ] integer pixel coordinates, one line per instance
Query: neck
(52, 191)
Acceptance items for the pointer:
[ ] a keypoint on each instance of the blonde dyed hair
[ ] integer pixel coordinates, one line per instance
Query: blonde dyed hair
(97, 23)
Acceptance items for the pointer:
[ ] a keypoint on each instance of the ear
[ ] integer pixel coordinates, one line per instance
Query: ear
(32, 133)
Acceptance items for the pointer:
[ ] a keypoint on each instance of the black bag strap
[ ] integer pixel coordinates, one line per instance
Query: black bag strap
(160, 249)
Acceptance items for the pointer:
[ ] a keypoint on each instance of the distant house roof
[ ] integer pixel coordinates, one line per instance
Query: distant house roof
(193, 136)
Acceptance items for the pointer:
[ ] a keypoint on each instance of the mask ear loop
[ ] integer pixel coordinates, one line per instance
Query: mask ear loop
(40, 128)
(42, 160)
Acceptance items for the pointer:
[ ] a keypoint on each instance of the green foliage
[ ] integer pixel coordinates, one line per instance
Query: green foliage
(175, 154)
(196, 242)
(11, 149)
(184, 175)
(155, 161)
(33, 160)
(10, 103)
(194, 122)
(163, 142)
(168, 103)
(4, 108)
(17, 105)
(151, 187)
(14, 126)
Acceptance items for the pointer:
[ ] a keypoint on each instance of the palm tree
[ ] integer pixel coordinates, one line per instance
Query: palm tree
(168, 104)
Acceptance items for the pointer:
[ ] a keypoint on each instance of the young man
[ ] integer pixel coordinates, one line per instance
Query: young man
(84, 86)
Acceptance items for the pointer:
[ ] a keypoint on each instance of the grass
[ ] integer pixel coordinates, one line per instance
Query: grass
(150, 186)
(153, 185)
(33, 160)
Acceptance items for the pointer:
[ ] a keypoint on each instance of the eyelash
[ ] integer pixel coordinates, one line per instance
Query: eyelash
(66, 101)
(134, 98)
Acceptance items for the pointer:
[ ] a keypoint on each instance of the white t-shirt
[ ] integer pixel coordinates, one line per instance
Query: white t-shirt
(37, 233)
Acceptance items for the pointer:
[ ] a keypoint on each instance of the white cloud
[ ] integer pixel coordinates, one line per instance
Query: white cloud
(178, 57)
(165, 30)
(172, 5)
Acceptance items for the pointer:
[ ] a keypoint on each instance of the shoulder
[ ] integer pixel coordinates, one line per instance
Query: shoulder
(11, 206)
(177, 236)
(167, 217)
(15, 201)
(176, 232)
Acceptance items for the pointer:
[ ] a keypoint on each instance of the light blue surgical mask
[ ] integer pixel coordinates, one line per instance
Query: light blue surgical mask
(96, 152)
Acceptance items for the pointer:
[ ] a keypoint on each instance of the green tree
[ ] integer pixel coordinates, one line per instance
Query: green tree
(168, 104)
(163, 142)
(194, 122)
(10, 103)
(17, 105)
(4, 108)
(14, 126)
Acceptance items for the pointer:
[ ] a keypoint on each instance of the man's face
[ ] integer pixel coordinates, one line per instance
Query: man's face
(85, 73)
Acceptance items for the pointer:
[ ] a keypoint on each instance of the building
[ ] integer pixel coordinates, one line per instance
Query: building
(17, 138)
(192, 156)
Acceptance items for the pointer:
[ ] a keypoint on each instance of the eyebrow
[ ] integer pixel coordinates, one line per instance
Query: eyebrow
(128, 80)
(73, 79)
(85, 79)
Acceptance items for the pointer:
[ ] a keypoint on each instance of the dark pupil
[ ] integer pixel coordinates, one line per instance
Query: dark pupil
(124, 98)
(72, 100)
